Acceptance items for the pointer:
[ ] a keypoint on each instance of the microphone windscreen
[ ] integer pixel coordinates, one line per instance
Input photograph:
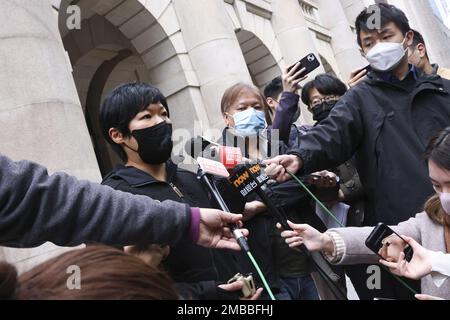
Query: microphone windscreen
(230, 156)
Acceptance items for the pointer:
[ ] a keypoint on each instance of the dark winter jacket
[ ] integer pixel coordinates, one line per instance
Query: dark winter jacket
(388, 124)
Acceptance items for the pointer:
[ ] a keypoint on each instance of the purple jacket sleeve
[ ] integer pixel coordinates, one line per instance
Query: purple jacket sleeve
(284, 115)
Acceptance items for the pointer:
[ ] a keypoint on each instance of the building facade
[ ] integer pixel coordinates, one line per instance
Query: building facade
(54, 76)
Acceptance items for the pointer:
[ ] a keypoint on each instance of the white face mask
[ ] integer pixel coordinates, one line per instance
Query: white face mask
(445, 201)
(386, 56)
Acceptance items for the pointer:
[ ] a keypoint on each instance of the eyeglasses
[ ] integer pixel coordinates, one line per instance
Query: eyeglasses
(318, 101)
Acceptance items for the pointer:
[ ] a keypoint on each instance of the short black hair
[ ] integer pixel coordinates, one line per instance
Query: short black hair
(326, 84)
(389, 13)
(274, 88)
(122, 104)
(418, 39)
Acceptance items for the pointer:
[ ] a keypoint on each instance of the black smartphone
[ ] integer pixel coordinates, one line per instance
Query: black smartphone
(368, 68)
(310, 63)
(310, 177)
(383, 240)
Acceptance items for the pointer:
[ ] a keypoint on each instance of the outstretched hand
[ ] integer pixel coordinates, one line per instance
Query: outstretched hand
(278, 167)
(305, 234)
(215, 231)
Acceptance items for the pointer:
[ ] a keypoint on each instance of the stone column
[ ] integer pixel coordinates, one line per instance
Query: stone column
(294, 38)
(40, 114)
(346, 51)
(213, 49)
(422, 18)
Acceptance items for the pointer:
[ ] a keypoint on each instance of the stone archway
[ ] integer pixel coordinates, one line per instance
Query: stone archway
(130, 40)
(262, 64)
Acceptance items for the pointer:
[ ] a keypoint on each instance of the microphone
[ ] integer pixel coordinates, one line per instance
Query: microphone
(209, 167)
(214, 168)
(200, 146)
(249, 178)
(230, 157)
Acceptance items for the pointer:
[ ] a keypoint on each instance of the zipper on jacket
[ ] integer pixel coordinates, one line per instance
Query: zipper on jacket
(177, 191)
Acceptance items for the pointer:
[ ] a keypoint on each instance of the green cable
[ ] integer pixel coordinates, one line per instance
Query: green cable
(342, 226)
(266, 285)
(316, 199)
(400, 280)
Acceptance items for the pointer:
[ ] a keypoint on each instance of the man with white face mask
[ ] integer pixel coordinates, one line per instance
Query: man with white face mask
(386, 120)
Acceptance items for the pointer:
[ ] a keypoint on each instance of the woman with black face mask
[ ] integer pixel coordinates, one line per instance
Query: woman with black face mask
(135, 121)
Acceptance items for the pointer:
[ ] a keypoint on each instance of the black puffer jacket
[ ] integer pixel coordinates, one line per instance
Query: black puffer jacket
(197, 270)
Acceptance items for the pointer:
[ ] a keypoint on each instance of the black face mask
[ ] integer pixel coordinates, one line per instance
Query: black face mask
(322, 111)
(155, 143)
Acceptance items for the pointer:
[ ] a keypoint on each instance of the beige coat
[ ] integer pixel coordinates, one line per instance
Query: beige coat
(421, 228)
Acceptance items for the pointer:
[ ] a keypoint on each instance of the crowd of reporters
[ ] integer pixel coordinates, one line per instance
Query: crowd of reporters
(372, 150)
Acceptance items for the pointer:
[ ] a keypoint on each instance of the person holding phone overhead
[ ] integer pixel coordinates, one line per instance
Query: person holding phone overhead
(386, 122)
(282, 97)
(431, 228)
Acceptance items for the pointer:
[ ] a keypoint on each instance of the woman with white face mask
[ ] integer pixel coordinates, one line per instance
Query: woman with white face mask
(431, 228)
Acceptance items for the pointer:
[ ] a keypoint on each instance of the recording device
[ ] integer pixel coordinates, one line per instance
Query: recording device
(209, 167)
(248, 289)
(383, 241)
(310, 63)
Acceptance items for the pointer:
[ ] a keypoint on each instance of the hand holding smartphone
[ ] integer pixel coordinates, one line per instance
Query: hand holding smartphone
(358, 76)
(387, 244)
(309, 63)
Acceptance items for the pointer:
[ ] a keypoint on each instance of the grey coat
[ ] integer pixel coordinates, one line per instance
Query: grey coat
(421, 228)
(36, 207)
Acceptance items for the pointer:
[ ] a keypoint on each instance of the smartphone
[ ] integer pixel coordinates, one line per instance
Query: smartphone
(384, 242)
(368, 68)
(310, 177)
(310, 63)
